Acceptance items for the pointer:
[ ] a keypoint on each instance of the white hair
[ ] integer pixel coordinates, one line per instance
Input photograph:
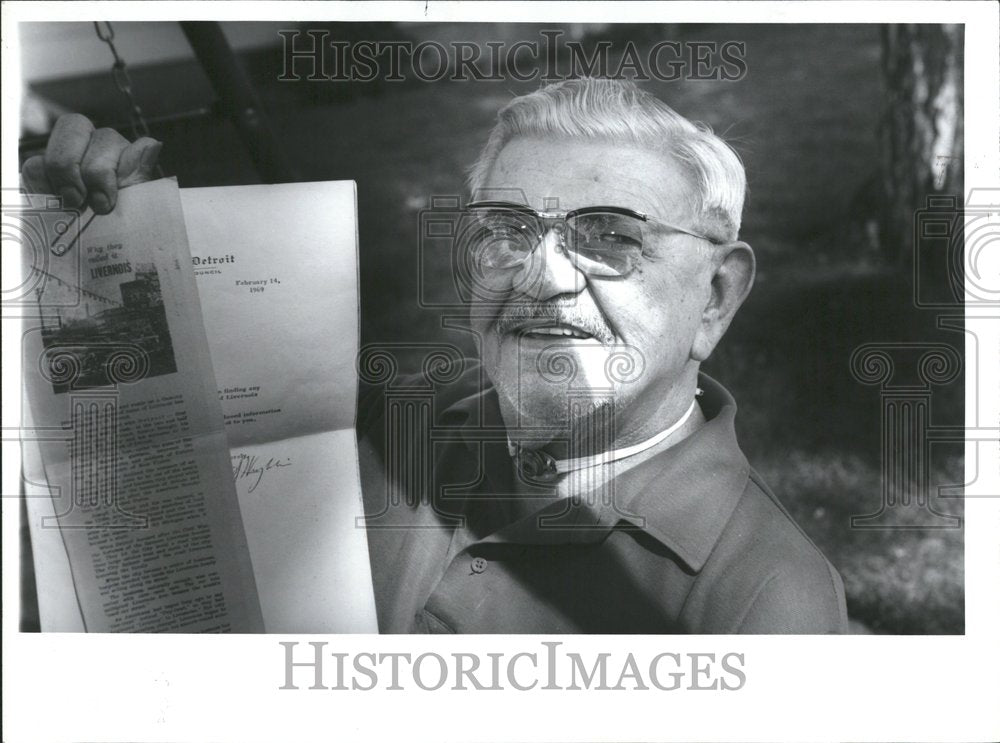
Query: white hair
(617, 110)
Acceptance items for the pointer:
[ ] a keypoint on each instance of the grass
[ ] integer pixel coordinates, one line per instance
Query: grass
(898, 581)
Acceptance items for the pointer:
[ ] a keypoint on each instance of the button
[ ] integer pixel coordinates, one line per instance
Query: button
(478, 565)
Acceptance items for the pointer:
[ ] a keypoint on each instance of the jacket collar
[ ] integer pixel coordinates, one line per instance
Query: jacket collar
(683, 496)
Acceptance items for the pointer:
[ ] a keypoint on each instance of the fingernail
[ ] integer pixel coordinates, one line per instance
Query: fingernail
(100, 202)
(151, 154)
(71, 197)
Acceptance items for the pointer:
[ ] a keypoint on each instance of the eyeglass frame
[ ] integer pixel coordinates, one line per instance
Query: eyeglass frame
(564, 215)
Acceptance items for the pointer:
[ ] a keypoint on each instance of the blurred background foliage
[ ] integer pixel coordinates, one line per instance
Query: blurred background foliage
(831, 125)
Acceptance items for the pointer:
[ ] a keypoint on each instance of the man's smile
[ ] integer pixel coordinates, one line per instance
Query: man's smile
(546, 329)
(541, 322)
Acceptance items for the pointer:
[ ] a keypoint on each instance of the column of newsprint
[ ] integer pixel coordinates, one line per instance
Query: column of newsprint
(128, 425)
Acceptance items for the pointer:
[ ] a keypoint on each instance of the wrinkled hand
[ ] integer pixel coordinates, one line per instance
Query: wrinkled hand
(87, 166)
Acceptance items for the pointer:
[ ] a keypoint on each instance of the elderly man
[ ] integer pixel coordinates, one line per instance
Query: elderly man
(595, 483)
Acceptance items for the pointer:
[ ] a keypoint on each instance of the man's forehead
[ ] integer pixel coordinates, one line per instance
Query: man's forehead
(569, 173)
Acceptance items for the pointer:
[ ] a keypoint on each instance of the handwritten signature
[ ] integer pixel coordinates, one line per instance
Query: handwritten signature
(251, 467)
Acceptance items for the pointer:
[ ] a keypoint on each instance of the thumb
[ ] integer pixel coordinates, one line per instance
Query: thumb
(137, 163)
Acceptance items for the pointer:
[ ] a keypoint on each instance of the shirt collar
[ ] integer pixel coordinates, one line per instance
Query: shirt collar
(682, 496)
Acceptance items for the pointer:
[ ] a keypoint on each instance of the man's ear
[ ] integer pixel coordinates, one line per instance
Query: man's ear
(734, 268)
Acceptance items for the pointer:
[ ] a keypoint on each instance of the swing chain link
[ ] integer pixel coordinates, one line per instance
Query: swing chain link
(119, 74)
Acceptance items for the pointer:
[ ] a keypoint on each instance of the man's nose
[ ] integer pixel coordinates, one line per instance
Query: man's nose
(549, 272)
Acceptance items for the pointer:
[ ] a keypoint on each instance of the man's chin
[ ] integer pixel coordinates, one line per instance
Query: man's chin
(545, 387)
(549, 366)
(533, 414)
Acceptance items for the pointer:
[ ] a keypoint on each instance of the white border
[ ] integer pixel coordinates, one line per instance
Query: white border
(113, 688)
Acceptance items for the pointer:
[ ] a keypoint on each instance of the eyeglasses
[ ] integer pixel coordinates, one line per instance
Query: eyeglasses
(605, 241)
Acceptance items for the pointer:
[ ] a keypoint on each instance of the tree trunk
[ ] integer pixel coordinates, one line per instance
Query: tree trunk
(922, 132)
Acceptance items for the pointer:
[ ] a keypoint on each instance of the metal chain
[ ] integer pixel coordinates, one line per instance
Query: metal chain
(119, 74)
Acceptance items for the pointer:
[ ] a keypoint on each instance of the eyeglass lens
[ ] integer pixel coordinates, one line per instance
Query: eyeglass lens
(598, 243)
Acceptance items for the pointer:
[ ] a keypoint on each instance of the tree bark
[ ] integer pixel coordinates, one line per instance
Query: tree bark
(922, 131)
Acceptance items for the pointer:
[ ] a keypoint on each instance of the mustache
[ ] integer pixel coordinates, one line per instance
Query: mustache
(518, 315)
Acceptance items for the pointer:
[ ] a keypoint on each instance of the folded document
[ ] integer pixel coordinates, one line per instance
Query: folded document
(275, 270)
